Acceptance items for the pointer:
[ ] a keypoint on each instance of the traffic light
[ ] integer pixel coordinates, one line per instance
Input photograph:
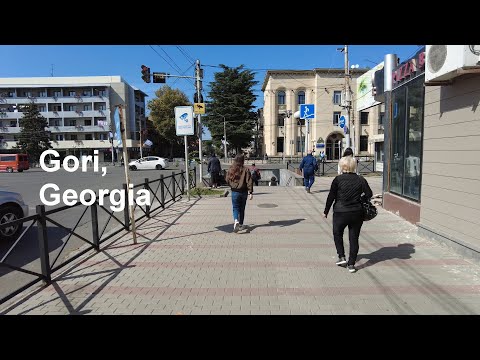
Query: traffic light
(195, 98)
(146, 74)
(159, 77)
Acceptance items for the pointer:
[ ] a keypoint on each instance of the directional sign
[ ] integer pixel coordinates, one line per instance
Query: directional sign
(184, 123)
(342, 120)
(307, 111)
(199, 108)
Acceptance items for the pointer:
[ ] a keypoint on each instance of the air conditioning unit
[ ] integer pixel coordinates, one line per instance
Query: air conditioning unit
(445, 62)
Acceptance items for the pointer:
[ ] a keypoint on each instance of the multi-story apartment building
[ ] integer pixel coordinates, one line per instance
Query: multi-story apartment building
(79, 111)
(285, 90)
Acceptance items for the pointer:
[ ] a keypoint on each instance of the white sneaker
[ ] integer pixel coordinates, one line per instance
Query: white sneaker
(236, 226)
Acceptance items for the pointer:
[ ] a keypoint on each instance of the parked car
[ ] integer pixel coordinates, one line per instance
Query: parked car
(12, 162)
(12, 207)
(148, 163)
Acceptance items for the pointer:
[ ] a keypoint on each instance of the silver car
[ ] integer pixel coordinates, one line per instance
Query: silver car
(12, 207)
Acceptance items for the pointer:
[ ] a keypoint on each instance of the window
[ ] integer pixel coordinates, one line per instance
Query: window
(73, 137)
(381, 118)
(407, 128)
(57, 93)
(27, 93)
(72, 122)
(88, 137)
(337, 97)
(72, 93)
(11, 94)
(336, 117)
(54, 122)
(364, 118)
(59, 137)
(57, 108)
(102, 136)
(280, 144)
(301, 144)
(8, 158)
(102, 107)
(301, 97)
(379, 152)
(281, 98)
(88, 122)
(363, 142)
(71, 108)
(41, 108)
(87, 93)
(42, 94)
(13, 123)
(87, 107)
(281, 119)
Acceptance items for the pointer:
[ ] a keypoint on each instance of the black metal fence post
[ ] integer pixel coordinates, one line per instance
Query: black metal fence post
(194, 183)
(96, 238)
(183, 178)
(162, 191)
(125, 210)
(173, 185)
(323, 168)
(147, 187)
(43, 245)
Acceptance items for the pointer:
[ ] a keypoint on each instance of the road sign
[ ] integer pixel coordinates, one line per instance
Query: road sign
(184, 123)
(342, 120)
(307, 111)
(199, 108)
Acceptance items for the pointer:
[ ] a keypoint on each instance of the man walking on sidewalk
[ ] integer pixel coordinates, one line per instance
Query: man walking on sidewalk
(214, 169)
(309, 166)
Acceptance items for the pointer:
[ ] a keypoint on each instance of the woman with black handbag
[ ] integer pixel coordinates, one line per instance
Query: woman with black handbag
(346, 190)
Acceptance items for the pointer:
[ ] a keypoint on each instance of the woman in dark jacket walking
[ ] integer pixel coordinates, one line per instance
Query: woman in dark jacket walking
(241, 184)
(346, 191)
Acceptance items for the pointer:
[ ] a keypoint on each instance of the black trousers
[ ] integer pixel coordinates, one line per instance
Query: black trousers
(354, 221)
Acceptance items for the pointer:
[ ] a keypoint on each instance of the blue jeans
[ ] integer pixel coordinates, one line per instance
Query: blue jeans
(308, 180)
(239, 201)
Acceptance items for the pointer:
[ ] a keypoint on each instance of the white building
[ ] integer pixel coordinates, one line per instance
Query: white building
(79, 110)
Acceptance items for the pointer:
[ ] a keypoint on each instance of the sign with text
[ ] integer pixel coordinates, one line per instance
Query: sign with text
(184, 124)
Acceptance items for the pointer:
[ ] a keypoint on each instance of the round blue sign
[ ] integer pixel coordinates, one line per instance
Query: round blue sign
(341, 121)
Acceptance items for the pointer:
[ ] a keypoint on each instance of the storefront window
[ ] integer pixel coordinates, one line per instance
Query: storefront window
(407, 125)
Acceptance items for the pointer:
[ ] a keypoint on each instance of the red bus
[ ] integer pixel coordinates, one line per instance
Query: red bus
(12, 162)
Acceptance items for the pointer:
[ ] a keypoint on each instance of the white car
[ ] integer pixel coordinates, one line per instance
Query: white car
(12, 207)
(148, 163)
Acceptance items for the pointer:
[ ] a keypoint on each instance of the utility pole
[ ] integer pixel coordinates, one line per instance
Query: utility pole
(123, 128)
(141, 144)
(200, 155)
(225, 138)
(347, 93)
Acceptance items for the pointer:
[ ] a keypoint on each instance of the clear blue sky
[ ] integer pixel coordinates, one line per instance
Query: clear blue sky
(125, 60)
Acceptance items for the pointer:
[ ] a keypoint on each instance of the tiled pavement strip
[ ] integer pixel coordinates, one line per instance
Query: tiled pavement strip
(188, 261)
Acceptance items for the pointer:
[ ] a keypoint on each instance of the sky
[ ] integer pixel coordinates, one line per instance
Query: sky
(126, 60)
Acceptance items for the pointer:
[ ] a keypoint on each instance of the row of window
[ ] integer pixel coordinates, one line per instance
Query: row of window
(62, 137)
(301, 144)
(56, 107)
(56, 93)
(73, 122)
(281, 97)
(336, 118)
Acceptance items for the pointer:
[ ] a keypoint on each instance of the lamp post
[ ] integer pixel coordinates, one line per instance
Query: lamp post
(224, 136)
(287, 116)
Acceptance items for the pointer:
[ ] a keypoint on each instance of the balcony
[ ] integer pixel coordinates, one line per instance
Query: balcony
(10, 130)
(80, 144)
(78, 128)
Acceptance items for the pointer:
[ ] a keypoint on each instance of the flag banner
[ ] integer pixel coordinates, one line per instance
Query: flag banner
(118, 135)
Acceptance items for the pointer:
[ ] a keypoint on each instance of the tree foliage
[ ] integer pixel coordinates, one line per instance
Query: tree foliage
(162, 113)
(231, 95)
(33, 138)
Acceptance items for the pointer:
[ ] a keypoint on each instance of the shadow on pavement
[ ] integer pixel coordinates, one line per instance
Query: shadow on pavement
(281, 223)
(401, 251)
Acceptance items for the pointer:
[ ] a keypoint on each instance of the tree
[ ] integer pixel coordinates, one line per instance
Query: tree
(232, 97)
(162, 113)
(33, 138)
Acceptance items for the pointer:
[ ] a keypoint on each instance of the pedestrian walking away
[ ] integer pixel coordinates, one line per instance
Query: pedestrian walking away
(346, 190)
(309, 166)
(273, 181)
(348, 152)
(241, 184)
(214, 169)
(255, 174)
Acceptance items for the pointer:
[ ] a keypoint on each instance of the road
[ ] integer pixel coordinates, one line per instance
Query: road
(26, 253)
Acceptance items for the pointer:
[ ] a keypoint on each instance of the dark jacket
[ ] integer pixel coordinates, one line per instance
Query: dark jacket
(346, 190)
(309, 165)
(214, 165)
(244, 183)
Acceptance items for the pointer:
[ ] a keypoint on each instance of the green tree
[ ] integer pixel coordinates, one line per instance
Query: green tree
(232, 96)
(162, 113)
(33, 138)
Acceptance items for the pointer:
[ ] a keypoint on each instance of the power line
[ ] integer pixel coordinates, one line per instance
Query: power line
(173, 61)
(184, 53)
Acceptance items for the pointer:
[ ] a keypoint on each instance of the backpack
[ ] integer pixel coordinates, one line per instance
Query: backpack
(255, 175)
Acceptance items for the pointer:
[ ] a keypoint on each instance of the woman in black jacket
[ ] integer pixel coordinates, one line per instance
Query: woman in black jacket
(346, 191)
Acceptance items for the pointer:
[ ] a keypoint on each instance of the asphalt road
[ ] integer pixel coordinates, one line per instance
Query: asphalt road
(25, 254)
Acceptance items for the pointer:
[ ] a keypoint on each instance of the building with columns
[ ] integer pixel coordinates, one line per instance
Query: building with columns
(285, 90)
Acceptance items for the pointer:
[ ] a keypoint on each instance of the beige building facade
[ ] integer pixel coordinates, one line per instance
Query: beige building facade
(284, 92)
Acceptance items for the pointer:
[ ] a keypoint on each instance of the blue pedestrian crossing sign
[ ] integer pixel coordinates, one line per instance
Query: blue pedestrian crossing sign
(307, 111)
(341, 121)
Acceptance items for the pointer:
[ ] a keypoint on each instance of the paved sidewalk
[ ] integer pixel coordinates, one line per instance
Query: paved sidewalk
(188, 261)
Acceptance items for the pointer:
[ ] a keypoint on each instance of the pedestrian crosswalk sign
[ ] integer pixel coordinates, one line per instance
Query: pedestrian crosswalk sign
(307, 111)
(199, 108)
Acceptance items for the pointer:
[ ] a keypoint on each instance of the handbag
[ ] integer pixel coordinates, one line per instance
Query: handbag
(369, 210)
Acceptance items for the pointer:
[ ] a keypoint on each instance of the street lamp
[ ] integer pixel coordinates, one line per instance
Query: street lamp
(287, 116)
